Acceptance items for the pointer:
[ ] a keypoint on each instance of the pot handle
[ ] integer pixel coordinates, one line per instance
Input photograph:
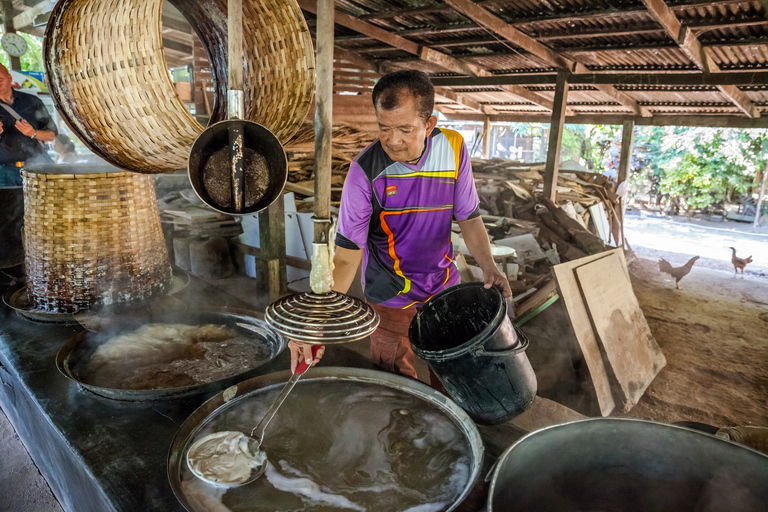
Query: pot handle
(521, 346)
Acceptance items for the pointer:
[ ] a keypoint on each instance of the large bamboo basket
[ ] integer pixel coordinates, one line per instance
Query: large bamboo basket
(92, 240)
(108, 76)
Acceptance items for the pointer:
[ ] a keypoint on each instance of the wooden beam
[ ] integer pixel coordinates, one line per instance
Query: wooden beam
(627, 147)
(175, 24)
(713, 121)
(490, 21)
(176, 46)
(463, 100)
(487, 137)
(27, 17)
(760, 197)
(686, 78)
(557, 123)
(424, 53)
(691, 46)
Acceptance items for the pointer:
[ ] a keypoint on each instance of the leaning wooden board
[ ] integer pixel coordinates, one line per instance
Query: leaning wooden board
(622, 331)
(570, 293)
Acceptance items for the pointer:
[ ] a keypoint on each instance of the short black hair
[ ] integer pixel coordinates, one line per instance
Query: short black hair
(389, 90)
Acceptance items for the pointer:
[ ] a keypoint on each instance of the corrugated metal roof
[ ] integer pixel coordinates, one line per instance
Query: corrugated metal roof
(604, 35)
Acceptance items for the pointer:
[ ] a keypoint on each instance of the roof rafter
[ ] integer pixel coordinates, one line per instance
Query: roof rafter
(424, 53)
(486, 19)
(690, 45)
(368, 65)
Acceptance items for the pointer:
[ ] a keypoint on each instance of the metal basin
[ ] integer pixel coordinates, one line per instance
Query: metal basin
(628, 465)
(233, 399)
(77, 351)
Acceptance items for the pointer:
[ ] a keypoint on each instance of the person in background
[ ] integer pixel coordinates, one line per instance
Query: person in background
(20, 140)
(400, 197)
(65, 150)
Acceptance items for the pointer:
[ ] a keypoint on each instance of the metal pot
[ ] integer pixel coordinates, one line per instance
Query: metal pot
(78, 350)
(627, 465)
(264, 384)
(215, 140)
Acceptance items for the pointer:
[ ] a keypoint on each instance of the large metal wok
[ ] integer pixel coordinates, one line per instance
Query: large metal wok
(73, 356)
(628, 465)
(236, 395)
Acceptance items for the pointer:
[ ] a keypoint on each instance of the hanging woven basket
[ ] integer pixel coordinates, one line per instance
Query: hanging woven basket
(108, 76)
(91, 239)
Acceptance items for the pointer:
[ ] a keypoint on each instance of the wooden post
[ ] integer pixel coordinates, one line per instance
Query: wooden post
(323, 117)
(556, 136)
(8, 14)
(487, 138)
(761, 196)
(627, 146)
(270, 266)
(625, 163)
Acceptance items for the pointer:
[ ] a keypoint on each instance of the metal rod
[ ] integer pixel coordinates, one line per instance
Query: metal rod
(323, 117)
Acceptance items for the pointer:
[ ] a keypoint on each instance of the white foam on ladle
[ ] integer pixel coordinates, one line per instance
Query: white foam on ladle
(224, 458)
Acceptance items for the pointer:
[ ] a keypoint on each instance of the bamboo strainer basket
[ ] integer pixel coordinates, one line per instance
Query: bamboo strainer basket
(92, 240)
(108, 76)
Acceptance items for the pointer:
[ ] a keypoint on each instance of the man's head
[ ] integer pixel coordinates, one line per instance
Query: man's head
(404, 101)
(6, 81)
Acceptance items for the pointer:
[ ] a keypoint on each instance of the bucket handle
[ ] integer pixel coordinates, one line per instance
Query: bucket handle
(519, 347)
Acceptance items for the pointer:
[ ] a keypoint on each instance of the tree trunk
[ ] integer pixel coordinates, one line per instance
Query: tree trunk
(760, 197)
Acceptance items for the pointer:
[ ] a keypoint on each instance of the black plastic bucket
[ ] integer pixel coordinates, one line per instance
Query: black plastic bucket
(467, 339)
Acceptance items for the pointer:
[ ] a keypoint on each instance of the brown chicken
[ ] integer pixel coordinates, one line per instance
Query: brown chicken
(739, 263)
(677, 272)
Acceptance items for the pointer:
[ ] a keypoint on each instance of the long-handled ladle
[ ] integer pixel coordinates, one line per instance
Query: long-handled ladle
(234, 453)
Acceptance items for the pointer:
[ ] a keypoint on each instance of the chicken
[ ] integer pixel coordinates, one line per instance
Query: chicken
(677, 272)
(739, 263)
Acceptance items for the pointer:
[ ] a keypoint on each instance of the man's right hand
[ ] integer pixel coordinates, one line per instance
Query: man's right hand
(303, 351)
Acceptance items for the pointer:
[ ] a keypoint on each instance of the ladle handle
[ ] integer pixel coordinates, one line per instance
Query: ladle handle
(258, 432)
(303, 366)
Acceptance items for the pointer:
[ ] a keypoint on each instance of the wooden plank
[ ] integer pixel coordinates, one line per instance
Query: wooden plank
(569, 291)
(556, 136)
(622, 331)
(526, 247)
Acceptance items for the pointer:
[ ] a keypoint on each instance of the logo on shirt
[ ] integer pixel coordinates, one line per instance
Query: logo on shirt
(391, 190)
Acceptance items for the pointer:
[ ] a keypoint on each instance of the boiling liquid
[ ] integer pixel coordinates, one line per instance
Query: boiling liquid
(343, 446)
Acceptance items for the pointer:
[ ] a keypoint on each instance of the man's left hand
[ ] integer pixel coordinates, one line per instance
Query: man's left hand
(24, 127)
(493, 277)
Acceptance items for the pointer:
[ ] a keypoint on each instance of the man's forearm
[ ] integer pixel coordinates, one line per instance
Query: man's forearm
(345, 264)
(45, 135)
(476, 238)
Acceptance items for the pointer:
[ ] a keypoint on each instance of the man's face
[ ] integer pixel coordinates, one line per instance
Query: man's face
(402, 131)
(5, 82)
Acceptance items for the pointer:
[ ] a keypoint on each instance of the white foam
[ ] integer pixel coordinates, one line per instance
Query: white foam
(309, 489)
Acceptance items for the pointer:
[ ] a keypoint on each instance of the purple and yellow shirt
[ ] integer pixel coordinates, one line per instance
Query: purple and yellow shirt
(401, 214)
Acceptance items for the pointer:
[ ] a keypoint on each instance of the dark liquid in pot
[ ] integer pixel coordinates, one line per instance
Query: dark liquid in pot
(344, 446)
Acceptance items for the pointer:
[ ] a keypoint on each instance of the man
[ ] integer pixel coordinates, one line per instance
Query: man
(399, 199)
(20, 140)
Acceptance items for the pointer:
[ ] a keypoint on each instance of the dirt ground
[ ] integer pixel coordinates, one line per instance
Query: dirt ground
(714, 334)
